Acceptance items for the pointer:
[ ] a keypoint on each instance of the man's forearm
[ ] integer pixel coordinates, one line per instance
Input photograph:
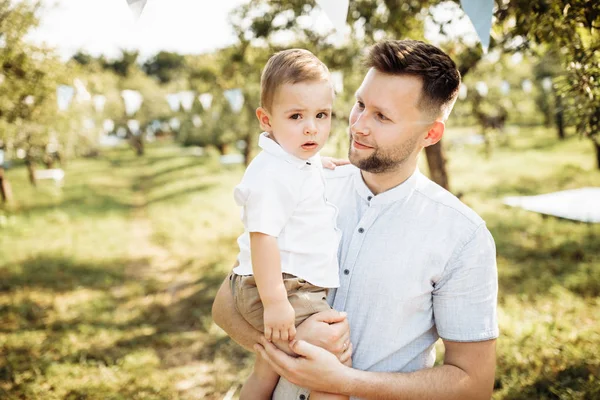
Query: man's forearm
(445, 382)
(226, 316)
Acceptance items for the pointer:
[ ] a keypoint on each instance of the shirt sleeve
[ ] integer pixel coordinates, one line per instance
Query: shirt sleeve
(267, 202)
(465, 298)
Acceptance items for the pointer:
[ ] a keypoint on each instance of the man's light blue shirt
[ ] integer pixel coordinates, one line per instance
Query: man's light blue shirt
(416, 264)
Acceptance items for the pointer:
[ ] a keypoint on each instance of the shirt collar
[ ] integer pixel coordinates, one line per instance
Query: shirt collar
(394, 194)
(273, 148)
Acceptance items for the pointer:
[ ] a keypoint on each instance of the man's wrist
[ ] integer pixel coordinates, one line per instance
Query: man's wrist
(350, 378)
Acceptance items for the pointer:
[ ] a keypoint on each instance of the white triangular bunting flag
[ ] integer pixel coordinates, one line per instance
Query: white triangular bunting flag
(133, 101)
(197, 121)
(235, 97)
(337, 12)
(99, 101)
(480, 13)
(205, 100)
(64, 95)
(174, 102)
(186, 99)
(136, 7)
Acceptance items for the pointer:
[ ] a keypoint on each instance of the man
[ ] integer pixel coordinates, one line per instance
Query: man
(415, 263)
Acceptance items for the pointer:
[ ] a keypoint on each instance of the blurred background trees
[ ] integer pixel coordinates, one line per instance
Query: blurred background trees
(542, 67)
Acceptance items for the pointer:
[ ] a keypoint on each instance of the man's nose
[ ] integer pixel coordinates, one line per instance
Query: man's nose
(360, 126)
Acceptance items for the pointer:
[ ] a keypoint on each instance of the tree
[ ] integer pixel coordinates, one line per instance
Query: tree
(570, 28)
(165, 66)
(548, 99)
(29, 78)
(124, 65)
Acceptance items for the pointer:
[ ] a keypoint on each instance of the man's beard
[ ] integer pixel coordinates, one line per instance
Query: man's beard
(383, 161)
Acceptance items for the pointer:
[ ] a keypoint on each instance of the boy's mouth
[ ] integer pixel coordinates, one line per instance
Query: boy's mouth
(309, 145)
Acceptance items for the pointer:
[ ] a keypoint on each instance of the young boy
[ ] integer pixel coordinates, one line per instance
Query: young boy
(288, 251)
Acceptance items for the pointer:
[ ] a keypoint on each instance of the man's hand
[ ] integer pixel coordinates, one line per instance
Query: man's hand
(330, 331)
(331, 163)
(279, 321)
(314, 368)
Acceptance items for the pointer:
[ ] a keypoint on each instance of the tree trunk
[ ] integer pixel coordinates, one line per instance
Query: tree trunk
(139, 146)
(222, 147)
(5, 191)
(31, 171)
(137, 142)
(559, 117)
(248, 149)
(437, 165)
(49, 161)
(597, 147)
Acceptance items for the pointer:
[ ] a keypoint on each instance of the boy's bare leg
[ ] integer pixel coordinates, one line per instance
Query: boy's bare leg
(261, 383)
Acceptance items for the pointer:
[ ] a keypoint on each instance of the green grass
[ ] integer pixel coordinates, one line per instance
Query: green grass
(106, 283)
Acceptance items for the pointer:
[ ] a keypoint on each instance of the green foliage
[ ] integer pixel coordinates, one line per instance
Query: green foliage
(570, 28)
(113, 275)
(165, 66)
(124, 65)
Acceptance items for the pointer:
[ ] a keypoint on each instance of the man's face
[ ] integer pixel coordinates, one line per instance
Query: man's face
(386, 127)
(300, 120)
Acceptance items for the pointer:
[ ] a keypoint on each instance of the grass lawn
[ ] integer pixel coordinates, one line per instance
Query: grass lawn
(106, 283)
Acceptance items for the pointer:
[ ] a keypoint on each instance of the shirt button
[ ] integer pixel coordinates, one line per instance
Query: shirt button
(369, 198)
(302, 397)
(360, 230)
(346, 272)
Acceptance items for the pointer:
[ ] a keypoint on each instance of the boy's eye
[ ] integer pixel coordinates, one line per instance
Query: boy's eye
(295, 116)
(382, 117)
(360, 104)
(322, 115)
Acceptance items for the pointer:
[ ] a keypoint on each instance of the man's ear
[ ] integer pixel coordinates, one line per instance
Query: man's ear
(434, 134)
(264, 119)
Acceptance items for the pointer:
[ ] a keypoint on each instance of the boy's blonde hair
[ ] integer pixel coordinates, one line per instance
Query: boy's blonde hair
(289, 66)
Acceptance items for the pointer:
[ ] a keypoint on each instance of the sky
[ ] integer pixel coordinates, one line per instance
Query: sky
(106, 26)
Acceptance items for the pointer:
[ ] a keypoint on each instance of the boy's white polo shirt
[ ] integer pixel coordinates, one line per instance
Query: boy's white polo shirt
(284, 196)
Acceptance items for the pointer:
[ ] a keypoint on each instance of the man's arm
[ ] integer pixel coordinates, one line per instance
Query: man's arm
(467, 373)
(327, 329)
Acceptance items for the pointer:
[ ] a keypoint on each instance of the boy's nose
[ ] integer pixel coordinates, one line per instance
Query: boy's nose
(310, 128)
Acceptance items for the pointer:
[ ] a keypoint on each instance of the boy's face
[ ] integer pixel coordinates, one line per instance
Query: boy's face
(300, 117)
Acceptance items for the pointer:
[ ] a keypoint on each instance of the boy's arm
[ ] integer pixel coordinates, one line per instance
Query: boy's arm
(279, 315)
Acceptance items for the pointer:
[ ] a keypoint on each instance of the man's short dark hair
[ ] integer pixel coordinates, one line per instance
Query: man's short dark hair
(440, 77)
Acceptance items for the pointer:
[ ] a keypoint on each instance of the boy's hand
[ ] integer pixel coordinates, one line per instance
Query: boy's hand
(280, 321)
(331, 163)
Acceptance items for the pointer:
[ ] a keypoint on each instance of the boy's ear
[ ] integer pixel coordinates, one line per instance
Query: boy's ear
(264, 119)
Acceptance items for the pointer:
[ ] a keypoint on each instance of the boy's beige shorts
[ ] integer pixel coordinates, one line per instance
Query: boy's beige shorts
(306, 298)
